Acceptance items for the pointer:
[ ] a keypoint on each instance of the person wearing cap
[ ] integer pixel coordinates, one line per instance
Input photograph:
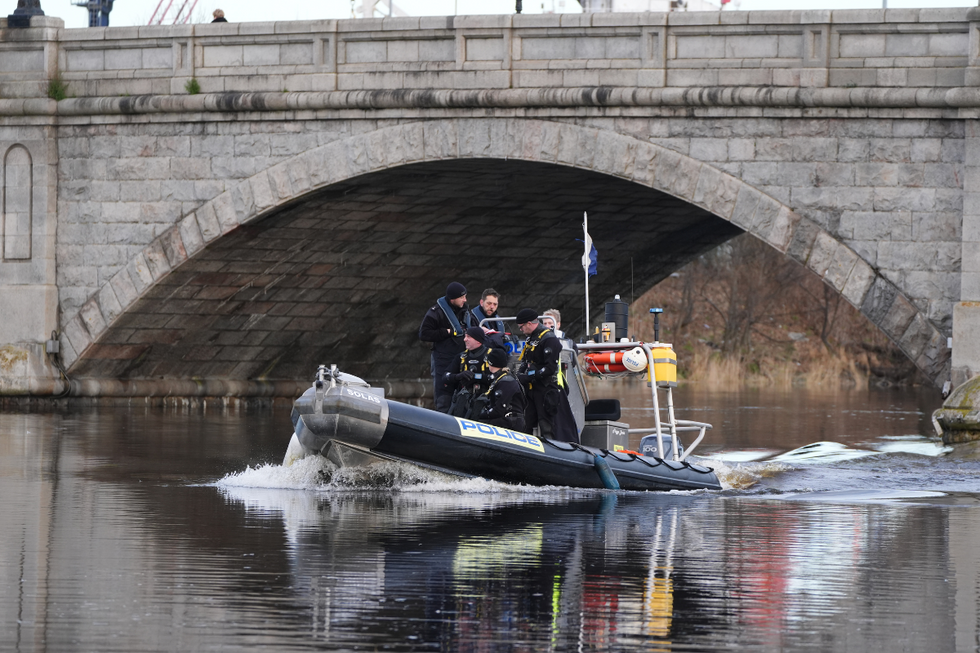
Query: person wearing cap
(443, 327)
(540, 373)
(504, 401)
(469, 375)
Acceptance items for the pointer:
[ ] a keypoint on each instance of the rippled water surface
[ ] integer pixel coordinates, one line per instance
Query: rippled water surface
(845, 526)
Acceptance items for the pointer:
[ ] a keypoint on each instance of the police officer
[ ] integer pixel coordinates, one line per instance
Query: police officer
(504, 399)
(487, 308)
(540, 372)
(469, 375)
(443, 326)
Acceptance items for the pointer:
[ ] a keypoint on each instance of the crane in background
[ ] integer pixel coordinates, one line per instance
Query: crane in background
(180, 16)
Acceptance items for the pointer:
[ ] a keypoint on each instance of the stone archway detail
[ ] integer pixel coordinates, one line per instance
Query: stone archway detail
(542, 141)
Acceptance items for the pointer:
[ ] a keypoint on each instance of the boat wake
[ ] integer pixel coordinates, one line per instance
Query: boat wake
(318, 473)
(736, 470)
(738, 475)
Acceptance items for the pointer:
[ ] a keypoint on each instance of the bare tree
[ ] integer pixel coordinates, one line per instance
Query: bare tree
(747, 281)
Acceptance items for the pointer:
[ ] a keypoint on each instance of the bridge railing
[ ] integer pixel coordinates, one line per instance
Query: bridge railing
(895, 48)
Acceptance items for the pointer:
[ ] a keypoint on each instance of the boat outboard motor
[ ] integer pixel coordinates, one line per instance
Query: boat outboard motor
(648, 446)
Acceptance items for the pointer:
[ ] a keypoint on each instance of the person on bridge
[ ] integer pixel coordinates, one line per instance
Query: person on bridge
(540, 372)
(487, 308)
(469, 375)
(219, 16)
(505, 401)
(443, 326)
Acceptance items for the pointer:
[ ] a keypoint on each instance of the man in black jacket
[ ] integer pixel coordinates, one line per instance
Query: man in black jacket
(444, 325)
(540, 372)
(505, 400)
(468, 376)
(487, 308)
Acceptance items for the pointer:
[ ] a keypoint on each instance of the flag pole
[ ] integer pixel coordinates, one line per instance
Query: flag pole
(585, 264)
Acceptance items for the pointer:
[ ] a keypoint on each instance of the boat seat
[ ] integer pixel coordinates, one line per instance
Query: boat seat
(603, 409)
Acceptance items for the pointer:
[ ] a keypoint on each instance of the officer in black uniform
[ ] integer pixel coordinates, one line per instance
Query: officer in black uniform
(540, 373)
(469, 375)
(505, 400)
(443, 326)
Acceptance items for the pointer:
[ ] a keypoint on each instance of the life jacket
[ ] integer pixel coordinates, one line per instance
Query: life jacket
(493, 324)
(499, 378)
(482, 369)
(484, 399)
(447, 309)
(464, 402)
(531, 345)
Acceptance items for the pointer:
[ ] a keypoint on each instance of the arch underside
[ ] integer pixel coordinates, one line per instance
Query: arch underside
(344, 275)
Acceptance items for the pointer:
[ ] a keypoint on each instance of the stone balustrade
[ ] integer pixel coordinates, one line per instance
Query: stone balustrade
(888, 49)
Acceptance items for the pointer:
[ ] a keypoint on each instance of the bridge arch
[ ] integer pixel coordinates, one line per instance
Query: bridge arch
(566, 145)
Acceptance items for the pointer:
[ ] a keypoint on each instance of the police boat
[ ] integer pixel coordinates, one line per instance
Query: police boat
(344, 419)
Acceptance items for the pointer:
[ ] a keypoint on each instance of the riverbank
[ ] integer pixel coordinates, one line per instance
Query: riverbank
(744, 314)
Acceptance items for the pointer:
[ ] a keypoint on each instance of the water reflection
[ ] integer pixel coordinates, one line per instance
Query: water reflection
(531, 571)
(144, 531)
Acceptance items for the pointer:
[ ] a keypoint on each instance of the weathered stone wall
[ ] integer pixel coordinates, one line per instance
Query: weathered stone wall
(898, 48)
(834, 231)
(888, 188)
(844, 139)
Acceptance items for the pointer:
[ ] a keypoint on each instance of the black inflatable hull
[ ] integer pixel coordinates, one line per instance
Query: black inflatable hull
(355, 419)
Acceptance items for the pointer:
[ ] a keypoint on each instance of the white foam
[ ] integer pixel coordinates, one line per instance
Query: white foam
(317, 473)
(742, 475)
(822, 452)
(306, 473)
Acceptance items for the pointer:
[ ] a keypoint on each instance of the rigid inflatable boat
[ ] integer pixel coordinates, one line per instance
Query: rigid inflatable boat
(342, 418)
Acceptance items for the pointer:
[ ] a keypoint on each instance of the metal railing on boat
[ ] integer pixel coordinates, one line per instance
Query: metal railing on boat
(673, 425)
(680, 425)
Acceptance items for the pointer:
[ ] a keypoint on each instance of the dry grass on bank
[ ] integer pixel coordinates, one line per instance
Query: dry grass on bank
(706, 366)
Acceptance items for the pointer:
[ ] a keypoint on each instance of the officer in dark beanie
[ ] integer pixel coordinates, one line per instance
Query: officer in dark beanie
(505, 401)
(468, 376)
(443, 326)
(540, 372)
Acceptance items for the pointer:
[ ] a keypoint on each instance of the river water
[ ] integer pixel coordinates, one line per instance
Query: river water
(844, 526)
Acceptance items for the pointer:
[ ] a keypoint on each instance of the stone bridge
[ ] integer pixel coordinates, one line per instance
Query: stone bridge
(329, 178)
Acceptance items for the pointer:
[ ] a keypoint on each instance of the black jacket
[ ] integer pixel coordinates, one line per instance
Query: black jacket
(540, 359)
(434, 330)
(472, 361)
(506, 402)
